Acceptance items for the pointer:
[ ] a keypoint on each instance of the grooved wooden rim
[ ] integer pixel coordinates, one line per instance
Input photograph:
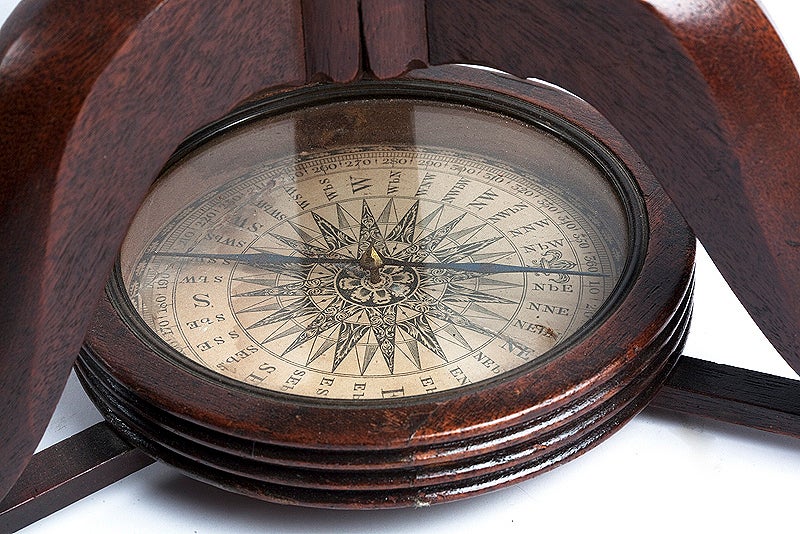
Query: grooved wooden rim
(373, 482)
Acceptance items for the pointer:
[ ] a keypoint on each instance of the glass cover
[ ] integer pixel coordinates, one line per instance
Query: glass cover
(375, 248)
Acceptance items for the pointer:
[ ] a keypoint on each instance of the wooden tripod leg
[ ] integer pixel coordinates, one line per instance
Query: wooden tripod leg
(67, 472)
(732, 395)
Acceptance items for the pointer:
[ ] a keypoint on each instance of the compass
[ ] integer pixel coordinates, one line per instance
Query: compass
(388, 294)
(347, 270)
(367, 268)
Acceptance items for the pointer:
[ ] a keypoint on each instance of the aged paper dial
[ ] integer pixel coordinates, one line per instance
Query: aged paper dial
(410, 261)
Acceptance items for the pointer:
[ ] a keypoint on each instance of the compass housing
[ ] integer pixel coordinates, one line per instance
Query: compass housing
(430, 448)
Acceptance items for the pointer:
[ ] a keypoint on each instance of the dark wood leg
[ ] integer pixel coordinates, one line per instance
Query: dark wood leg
(732, 395)
(67, 472)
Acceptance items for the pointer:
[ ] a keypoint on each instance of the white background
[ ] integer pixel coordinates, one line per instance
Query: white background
(659, 473)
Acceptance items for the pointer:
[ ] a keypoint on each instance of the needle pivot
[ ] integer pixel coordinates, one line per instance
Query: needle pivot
(372, 261)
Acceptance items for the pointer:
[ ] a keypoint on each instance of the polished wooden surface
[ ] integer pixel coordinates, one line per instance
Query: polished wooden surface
(67, 472)
(732, 395)
(94, 100)
(395, 36)
(332, 40)
(95, 458)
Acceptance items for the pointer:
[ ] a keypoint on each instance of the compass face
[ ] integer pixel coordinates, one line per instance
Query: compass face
(374, 248)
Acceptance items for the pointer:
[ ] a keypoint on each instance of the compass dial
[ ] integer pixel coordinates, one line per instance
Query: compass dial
(415, 260)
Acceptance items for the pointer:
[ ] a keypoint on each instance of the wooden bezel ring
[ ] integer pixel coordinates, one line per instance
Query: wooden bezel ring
(423, 451)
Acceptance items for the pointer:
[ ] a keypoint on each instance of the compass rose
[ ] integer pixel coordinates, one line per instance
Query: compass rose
(391, 284)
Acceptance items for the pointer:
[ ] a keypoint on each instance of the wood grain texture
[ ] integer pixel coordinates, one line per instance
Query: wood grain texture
(395, 36)
(91, 108)
(39, 76)
(332, 40)
(705, 93)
